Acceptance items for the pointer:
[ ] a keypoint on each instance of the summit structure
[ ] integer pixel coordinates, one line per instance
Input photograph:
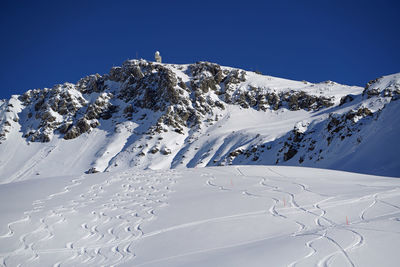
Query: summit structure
(157, 57)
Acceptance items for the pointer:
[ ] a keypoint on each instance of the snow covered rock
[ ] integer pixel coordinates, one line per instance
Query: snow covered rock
(153, 115)
(387, 86)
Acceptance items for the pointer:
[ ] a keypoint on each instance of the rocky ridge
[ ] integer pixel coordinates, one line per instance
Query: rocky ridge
(72, 109)
(308, 143)
(162, 111)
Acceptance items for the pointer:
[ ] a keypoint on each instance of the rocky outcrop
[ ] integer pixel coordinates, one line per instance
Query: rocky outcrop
(49, 109)
(307, 142)
(383, 87)
(73, 109)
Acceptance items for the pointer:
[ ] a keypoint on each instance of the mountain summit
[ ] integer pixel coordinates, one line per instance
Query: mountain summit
(151, 115)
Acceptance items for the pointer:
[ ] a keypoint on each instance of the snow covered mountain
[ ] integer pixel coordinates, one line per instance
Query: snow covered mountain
(147, 115)
(142, 124)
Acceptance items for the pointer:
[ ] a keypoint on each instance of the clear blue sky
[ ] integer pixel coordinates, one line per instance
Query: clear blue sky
(48, 42)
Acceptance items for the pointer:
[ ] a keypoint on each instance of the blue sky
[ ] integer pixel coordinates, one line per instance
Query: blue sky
(48, 42)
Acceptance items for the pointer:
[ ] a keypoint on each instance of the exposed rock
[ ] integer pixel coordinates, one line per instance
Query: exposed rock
(289, 154)
(346, 99)
(82, 126)
(91, 170)
(382, 87)
(165, 151)
(154, 150)
(90, 84)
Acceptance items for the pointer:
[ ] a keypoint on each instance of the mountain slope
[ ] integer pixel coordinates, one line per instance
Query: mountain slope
(359, 136)
(151, 115)
(220, 216)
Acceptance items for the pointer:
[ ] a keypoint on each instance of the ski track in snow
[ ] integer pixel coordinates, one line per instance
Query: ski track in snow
(315, 230)
(29, 166)
(340, 250)
(107, 233)
(109, 213)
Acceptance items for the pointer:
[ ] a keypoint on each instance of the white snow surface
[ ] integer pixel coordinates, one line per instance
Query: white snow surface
(218, 216)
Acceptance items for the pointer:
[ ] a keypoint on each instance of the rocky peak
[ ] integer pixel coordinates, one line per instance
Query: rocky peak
(182, 95)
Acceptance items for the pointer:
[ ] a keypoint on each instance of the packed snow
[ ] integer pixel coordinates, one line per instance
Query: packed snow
(219, 216)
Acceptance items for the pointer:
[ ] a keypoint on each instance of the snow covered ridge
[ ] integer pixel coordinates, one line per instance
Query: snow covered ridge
(357, 122)
(153, 115)
(185, 93)
(387, 86)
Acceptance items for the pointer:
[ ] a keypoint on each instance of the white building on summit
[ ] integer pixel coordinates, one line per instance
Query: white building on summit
(157, 57)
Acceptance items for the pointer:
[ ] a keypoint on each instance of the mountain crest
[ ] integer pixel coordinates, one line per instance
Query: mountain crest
(157, 115)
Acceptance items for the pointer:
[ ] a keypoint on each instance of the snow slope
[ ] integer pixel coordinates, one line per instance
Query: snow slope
(219, 216)
(365, 144)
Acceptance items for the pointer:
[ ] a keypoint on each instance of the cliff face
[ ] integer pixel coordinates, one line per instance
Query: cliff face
(152, 115)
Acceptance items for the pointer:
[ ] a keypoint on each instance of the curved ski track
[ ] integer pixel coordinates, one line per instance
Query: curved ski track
(319, 231)
(108, 216)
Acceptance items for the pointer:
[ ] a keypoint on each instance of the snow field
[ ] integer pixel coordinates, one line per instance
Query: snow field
(276, 216)
(92, 220)
(219, 216)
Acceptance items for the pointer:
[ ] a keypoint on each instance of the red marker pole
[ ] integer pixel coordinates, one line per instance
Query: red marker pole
(347, 220)
(284, 202)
